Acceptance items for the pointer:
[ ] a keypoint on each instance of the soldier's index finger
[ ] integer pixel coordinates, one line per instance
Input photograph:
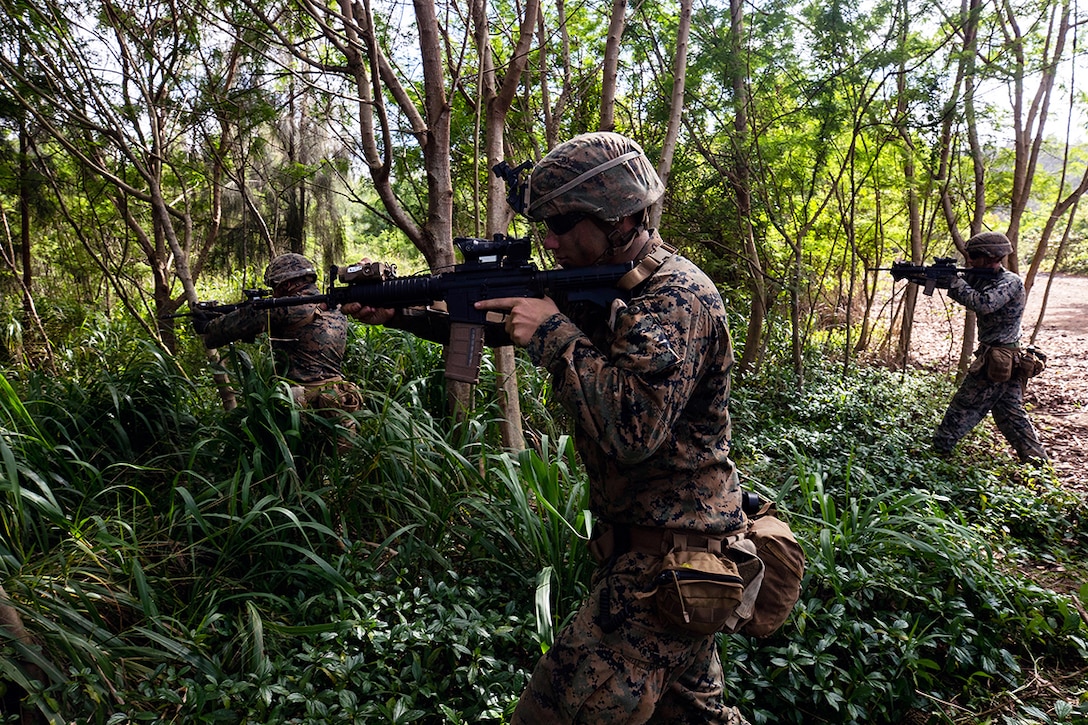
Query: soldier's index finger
(498, 303)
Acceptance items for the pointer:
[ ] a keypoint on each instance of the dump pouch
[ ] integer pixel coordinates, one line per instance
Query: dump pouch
(783, 568)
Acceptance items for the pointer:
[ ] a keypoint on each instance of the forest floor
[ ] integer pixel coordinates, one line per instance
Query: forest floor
(1057, 400)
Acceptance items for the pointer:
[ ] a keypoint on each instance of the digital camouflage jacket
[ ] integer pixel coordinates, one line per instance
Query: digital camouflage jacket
(649, 391)
(998, 303)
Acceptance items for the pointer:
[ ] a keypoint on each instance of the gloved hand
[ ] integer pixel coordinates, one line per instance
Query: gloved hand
(200, 319)
(957, 284)
(944, 281)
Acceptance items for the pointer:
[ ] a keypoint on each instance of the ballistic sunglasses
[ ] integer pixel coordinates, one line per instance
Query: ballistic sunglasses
(560, 224)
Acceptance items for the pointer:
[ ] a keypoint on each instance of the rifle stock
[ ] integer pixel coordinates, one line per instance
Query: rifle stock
(493, 268)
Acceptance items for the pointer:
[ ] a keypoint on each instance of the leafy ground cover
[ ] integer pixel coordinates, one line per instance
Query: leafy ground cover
(175, 563)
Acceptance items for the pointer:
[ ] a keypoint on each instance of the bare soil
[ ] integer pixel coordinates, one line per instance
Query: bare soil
(1057, 400)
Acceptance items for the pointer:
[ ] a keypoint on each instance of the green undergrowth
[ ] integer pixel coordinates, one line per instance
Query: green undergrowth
(173, 561)
(916, 598)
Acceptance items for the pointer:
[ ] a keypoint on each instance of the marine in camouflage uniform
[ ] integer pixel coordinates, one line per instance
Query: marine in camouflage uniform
(998, 303)
(647, 384)
(308, 341)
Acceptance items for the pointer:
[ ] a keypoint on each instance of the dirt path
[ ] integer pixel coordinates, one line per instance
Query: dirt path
(1057, 400)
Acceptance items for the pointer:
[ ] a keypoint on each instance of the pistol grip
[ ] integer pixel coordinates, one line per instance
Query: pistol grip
(464, 352)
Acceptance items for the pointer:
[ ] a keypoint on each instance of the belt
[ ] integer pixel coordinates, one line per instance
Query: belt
(616, 539)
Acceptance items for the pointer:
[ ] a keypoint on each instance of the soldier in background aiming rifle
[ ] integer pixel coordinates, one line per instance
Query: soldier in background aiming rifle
(995, 381)
(308, 340)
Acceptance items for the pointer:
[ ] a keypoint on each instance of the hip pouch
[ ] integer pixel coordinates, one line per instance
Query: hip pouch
(1030, 363)
(341, 395)
(698, 591)
(784, 567)
(1000, 362)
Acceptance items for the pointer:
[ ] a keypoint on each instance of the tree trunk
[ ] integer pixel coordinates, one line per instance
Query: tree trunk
(611, 65)
(1028, 127)
(1060, 209)
(741, 181)
(910, 183)
(676, 107)
(497, 101)
(24, 217)
(1058, 256)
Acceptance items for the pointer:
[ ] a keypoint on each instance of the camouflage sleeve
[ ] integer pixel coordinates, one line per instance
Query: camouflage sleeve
(992, 296)
(628, 398)
(242, 324)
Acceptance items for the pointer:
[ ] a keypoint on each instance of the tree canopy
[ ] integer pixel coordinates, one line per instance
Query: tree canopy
(148, 145)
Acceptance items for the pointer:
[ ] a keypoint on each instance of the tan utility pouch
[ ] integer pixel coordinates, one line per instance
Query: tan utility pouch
(340, 394)
(698, 591)
(1031, 363)
(1000, 363)
(783, 569)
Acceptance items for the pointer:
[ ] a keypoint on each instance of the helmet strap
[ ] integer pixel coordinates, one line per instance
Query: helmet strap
(620, 241)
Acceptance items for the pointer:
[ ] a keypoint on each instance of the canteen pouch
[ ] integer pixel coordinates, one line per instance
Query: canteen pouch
(1000, 362)
(783, 568)
(1031, 363)
(698, 591)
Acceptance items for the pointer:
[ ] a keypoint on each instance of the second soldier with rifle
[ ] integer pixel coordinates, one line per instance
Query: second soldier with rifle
(308, 340)
(996, 379)
(995, 382)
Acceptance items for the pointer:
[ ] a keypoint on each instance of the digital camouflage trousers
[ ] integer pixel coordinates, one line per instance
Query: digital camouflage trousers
(977, 396)
(618, 662)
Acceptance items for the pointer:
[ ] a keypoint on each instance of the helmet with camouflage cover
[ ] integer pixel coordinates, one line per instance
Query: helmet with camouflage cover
(989, 244)
(602, 174)
(286, 267)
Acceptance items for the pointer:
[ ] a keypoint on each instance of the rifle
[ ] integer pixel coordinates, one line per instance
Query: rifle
(937, 275)
(215, 308)
(493, 268)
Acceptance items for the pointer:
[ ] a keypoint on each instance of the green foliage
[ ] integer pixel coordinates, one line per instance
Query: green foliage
(912, 596)
(1075, 257)
(396, 651)
(902, 605)
(231, 567)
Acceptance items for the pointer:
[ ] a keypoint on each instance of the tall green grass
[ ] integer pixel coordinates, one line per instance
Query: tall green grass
(179, 563)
